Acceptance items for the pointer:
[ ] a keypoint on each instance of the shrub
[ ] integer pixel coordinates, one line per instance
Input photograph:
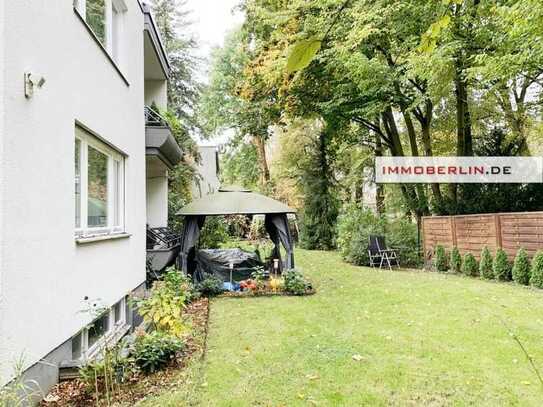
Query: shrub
(485, 266)
(537, 270)
(101, 375)
(155, 351)
(502, 268)
(295, 283)
(402, 233)
(441, 260)
(456, 260)
(356, 224)
(469, 265)
(214, 233)
(210, 286)
(166, 301)
(521, 268)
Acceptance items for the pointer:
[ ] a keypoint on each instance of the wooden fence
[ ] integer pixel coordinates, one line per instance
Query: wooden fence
(470, 233)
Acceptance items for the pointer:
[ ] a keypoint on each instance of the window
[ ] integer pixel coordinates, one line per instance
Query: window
(77, 183)
(87, 342)
(99, 187)
(105, 19)
(95, 16)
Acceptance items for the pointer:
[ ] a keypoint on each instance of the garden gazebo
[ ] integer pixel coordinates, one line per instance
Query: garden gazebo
(236, 201)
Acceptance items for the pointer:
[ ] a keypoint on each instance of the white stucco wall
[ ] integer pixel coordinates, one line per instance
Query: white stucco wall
(44, 274)
(207, 168)
(157, 201)
(2, 194)
(156, 91)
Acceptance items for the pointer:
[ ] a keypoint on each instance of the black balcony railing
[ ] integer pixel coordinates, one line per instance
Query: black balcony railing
(153, 118)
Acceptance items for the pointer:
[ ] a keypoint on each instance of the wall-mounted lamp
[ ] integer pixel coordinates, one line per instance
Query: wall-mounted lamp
(32, 81)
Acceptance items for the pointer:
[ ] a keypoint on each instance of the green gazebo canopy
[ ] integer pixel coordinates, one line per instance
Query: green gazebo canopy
(234, 201)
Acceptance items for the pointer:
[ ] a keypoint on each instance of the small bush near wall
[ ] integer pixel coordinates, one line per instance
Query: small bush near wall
(210, 286)
(537, 270)
(456, 260)
(485, 266)
(469, 265)
(441, 261)
(167, 299)
(521, 268)
(155, 351)
(501, 266)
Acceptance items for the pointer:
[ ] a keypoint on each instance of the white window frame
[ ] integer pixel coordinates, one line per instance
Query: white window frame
(113, 22)
(88, 140)
(113, 329)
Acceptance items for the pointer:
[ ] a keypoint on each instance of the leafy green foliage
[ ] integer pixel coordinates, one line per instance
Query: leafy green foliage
(521, 268)
(210, 286)
(469, 265)
(536, 279)
(356, 224)
(103, 375)
(501, 266)
(214, 233)
(318, 220)
(20, 391)
(485, 265)
(295, 283)
(456, 260)
(165, 303)
(155, 351)
(441, 260)
(302, 53)
(184, 88)
(402, 233)
(239, 165)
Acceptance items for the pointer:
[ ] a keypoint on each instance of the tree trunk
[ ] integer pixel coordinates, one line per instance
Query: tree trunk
(417, 204)
(426, 126)
(263, 162)
(380, 188)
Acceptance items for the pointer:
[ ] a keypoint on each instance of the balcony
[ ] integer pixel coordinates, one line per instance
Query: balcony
(159, 140)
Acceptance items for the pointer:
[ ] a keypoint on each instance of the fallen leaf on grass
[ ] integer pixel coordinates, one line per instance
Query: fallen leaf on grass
(312, 376)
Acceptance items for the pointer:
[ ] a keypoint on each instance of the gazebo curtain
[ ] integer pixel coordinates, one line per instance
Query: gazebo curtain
(277, 228)
(191, 234)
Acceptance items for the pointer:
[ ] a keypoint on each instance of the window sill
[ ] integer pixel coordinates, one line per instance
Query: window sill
(101, 238)
(101, 46)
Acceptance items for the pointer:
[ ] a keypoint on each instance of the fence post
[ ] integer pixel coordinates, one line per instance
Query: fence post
(497, 226)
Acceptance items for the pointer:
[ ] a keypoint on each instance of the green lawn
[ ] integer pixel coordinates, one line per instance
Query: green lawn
(422, 338)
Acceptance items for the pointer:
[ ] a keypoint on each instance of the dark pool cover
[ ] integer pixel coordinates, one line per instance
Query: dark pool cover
(217, 262)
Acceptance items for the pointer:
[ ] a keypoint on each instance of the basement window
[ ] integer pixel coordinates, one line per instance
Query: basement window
(88, 342)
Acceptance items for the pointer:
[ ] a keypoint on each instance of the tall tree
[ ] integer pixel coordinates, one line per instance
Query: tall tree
(173, 20)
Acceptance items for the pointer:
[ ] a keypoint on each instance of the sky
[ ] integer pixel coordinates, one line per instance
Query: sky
(212, 20)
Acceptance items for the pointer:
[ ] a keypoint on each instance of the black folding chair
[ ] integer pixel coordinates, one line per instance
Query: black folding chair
(380, 254)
